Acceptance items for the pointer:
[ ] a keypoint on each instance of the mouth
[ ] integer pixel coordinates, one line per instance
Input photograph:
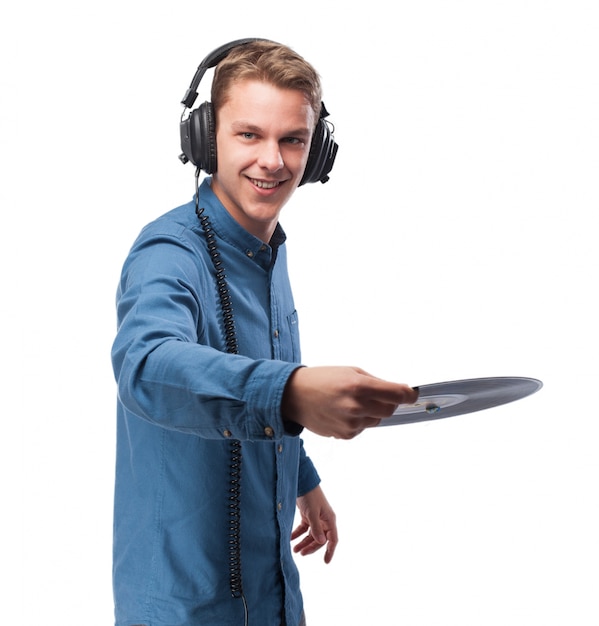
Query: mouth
(265, 184)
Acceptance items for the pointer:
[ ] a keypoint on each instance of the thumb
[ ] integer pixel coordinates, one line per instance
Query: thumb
(317, 532)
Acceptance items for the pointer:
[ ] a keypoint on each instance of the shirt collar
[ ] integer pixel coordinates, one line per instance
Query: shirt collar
(228, 229)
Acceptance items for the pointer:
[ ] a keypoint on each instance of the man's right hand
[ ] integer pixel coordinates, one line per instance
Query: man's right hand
(341, 401)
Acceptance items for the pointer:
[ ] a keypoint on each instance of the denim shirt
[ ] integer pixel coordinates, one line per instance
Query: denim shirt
(181, 401)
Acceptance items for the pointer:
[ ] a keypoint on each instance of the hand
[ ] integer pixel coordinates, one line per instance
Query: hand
(319, 522)
(341, 401)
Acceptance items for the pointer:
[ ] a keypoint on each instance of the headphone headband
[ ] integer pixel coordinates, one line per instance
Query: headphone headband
(198, 132)
(211, 60)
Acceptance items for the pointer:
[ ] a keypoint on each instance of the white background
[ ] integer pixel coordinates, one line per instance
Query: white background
(455, 239)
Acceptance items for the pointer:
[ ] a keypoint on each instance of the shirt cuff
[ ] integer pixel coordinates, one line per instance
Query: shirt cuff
(268, 386)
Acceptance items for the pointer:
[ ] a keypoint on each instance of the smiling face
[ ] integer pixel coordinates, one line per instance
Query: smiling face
(263, 136)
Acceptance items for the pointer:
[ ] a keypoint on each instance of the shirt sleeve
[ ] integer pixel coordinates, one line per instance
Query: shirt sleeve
(308, 477)
(164, 375)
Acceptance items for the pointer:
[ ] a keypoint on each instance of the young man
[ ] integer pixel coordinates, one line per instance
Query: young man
(212, 397)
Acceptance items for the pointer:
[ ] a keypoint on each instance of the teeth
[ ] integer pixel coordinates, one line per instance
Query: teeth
(265, 185)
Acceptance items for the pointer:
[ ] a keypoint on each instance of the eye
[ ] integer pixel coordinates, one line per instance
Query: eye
(293, 140)
(248, 135)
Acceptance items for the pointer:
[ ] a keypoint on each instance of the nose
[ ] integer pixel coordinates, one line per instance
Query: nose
(270, 157)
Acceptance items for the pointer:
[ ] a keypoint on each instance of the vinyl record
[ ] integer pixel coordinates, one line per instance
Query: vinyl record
(459, 397)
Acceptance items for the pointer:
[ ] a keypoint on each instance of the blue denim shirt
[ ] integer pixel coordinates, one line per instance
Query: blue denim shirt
(181, 400)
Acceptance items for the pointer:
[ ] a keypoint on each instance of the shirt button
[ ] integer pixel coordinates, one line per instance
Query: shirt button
(227, 433)
(280, 448)
(268, 431)
(276, 334)
(280, 506)
(250, 254)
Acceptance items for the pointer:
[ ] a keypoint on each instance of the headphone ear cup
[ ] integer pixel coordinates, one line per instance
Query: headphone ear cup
(321, 157)
(204, 133)
(207, 136)
(198, 138)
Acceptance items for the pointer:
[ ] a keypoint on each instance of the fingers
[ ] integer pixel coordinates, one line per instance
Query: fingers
(370, 401)
(383, 395)
(352, 427)
(310, 545)
(330, 551)
(300, 530)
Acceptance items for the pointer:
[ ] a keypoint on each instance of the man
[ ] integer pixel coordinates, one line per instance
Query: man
(212, 396)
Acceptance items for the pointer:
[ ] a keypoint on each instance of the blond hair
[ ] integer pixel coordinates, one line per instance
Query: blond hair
(269, 62)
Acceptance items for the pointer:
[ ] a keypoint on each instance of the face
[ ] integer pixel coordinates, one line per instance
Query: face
(263, 138)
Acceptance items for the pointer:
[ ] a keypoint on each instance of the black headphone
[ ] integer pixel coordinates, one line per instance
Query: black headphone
(198, 134)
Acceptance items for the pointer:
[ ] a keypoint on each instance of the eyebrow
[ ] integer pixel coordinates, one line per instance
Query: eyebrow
(243, 126)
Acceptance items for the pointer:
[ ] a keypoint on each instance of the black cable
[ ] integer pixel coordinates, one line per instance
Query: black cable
(234, 497)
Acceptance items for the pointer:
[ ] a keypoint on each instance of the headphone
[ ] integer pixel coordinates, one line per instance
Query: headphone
(198, 129)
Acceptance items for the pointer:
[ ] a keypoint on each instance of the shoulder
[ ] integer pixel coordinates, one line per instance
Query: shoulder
(178, 222)
(171, 243)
